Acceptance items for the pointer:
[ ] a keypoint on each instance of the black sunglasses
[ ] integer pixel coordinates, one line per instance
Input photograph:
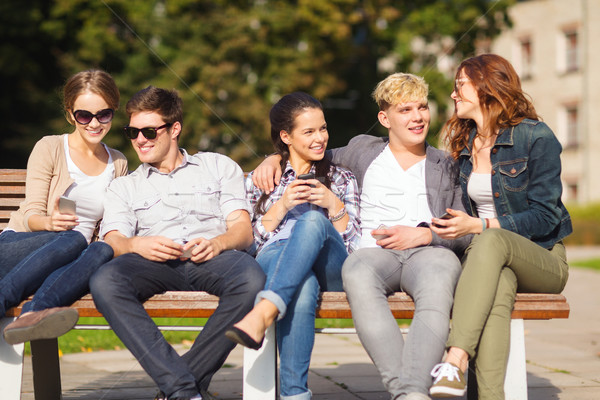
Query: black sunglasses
(84, 117)
(149, 133)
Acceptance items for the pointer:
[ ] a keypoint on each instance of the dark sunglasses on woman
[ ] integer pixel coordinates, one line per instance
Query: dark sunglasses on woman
(149, 133)
(84, 117)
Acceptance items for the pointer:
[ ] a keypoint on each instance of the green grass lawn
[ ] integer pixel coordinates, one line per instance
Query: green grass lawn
(592, 264)
(77, 341)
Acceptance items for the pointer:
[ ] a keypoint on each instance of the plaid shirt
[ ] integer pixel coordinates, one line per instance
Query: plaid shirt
(343, 185)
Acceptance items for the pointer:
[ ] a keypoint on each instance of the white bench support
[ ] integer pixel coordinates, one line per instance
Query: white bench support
(515, 383)
(11, 366)
(260, 369)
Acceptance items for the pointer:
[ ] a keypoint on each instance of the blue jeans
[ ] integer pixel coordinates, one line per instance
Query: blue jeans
(121, 286)
(309, 260)
(28, 259)
(427, 274)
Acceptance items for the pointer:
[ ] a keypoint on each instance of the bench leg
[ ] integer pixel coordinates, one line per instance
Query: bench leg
(46, 369)
(11, 366)
(260, 369)
(515, 383)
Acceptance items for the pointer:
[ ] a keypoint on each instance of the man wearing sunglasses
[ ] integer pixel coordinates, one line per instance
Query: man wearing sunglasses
(176, 223)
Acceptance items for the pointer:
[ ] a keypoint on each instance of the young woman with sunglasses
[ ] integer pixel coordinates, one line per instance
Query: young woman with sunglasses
(303, 231)
(44, 249)
(510, 175)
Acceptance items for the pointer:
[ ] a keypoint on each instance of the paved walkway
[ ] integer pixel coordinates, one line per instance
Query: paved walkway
(563, 359)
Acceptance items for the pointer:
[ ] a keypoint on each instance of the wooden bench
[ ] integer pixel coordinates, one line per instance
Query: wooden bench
(259, 374)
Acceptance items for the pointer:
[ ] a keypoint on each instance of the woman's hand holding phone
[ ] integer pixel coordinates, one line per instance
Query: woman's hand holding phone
(296, 193)
(63, 218)
(457, 225)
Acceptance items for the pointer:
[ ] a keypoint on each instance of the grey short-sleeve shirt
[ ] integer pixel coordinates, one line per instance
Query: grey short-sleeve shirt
(191, 201)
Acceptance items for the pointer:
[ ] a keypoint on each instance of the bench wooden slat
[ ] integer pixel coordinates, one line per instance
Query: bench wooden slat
(331, 305)
(12, 175)
(10, 204)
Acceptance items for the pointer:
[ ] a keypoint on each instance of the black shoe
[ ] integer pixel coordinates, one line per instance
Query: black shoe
(239, 336)
(160, 396)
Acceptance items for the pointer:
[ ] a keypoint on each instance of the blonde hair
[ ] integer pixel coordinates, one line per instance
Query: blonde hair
(400, 88)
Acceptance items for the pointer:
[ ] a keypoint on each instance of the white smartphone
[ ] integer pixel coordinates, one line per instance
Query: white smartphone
(66, 205)
(188, 253)
(379, 237)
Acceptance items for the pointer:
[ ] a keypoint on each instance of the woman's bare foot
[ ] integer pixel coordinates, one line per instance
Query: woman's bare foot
(458, 357)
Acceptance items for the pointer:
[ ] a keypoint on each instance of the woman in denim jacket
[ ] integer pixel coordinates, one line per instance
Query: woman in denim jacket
(510, 175)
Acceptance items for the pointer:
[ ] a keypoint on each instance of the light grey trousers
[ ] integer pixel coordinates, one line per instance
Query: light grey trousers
(429, 275)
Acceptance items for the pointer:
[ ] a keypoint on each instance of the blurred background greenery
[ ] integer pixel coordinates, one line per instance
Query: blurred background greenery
(230, 60)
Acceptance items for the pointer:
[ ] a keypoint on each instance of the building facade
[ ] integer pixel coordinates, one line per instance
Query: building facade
(555, 47)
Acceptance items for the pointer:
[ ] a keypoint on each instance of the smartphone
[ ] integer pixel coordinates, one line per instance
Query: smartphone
(188, 253)
(310, 175)
(66, 205)
(379, 237)
(445, 216)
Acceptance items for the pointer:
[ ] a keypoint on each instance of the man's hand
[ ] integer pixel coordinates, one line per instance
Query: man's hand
(402, 237)
(156, 248)
(267, 174)
(204, 249)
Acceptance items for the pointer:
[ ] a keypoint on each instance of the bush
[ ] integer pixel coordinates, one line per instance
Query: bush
(586, 225)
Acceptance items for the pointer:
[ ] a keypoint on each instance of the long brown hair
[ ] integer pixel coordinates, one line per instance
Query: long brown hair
(501, 97)
(282, 117)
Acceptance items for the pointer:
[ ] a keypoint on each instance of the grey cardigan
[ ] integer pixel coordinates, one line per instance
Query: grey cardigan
(441, 178)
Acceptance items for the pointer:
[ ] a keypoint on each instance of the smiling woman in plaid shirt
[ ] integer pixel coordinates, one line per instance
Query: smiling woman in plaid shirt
(303, 231)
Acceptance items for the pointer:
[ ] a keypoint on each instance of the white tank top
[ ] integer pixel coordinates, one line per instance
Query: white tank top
(479, 189)
(88, 192)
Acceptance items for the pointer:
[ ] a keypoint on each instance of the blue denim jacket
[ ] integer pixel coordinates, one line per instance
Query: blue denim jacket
(525, 182)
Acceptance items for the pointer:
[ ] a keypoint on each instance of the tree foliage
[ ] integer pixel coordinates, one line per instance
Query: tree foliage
(231, 60)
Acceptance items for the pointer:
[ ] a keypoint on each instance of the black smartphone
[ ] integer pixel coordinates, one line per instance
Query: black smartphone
(66, 205)
(310, 175)
(445, 216)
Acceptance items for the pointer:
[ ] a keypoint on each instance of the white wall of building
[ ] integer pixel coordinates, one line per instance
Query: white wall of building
(565, 93)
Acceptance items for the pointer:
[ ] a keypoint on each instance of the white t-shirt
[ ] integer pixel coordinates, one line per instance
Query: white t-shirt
(479, 189)
(392, 196)
(88, 192)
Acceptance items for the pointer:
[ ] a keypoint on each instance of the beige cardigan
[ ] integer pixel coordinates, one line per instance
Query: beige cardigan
(48, 178)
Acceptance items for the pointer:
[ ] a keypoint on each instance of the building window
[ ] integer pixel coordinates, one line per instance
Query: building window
(572, 126)
(526, 59)
(571, 52)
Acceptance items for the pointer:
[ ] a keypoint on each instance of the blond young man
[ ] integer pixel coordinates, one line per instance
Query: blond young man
(403, 183)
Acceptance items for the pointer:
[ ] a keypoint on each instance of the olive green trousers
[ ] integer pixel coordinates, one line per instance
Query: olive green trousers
(498, 264)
